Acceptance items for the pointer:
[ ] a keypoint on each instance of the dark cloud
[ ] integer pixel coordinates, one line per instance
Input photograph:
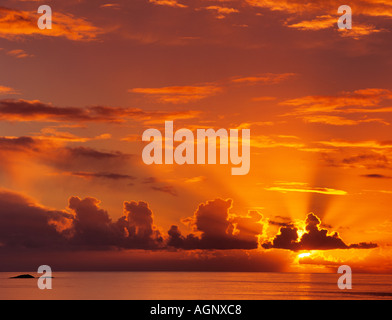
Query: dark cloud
(281, 221)
(16, 144)
(368, 160)
(140, 227)
(363, 245)
(42, 147)
(23, 223)
(166, 189)
(286, 239)
(159, 187)
(315, 238)
(87, 226)
(87, 152)
(376, 176)
(78, 160)
(104, 175)
(150, 180)
(25, 110)
(318, 239)
(93, 226)
(218, 229)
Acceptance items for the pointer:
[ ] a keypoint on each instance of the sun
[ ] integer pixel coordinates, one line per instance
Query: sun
(303, 255)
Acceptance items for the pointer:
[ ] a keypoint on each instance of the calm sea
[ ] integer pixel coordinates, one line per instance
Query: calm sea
(195, 286)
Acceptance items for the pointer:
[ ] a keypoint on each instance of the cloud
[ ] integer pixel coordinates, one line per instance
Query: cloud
(161, 188)
(218, 228)
(186, 94)
(272, 142)
(371, 160)
(363, 7)
(179, 94)
(91, 153)
(339, 121)
(221, 12)
(19, 53)
(34, 110)
(329, 109)
(166, 189)
(43, 148)
(93, 228)
(110, 5)
(319, 23)
(371, 144)
(322, 22)
(169, 3)
(6, 90)
(51, 133)
(17, 24)
(358, 101)
(376, 176)
(19, 152)
(322, 15)
(26, 224)
(319, 190)
(19, 144)
(86, 226)
(266, 78)
(102, 175)
(313, 238)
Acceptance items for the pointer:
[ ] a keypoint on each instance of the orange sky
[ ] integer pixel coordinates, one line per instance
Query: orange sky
(75, 101)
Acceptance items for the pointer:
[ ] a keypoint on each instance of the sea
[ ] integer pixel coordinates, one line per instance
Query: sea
(195, 286)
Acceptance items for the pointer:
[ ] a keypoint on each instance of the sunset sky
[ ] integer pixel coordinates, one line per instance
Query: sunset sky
(76, 99)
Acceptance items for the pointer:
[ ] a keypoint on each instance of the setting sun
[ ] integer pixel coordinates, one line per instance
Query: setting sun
(303, 255)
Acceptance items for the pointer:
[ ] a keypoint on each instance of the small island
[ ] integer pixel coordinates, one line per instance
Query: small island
(23, 276)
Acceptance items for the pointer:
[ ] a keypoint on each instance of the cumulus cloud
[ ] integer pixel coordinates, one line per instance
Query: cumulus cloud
(93, 226)
(218, 228)
(314, 238)
(26, 224)
(84, 225)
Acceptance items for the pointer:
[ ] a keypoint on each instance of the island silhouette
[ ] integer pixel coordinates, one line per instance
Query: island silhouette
(23, 276)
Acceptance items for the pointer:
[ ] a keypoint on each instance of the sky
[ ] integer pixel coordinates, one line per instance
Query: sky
(76, 99)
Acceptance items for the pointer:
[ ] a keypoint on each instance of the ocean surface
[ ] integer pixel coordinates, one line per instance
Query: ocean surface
(195, 286)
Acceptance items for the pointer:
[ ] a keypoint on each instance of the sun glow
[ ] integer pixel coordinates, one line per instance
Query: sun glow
(304, 255)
